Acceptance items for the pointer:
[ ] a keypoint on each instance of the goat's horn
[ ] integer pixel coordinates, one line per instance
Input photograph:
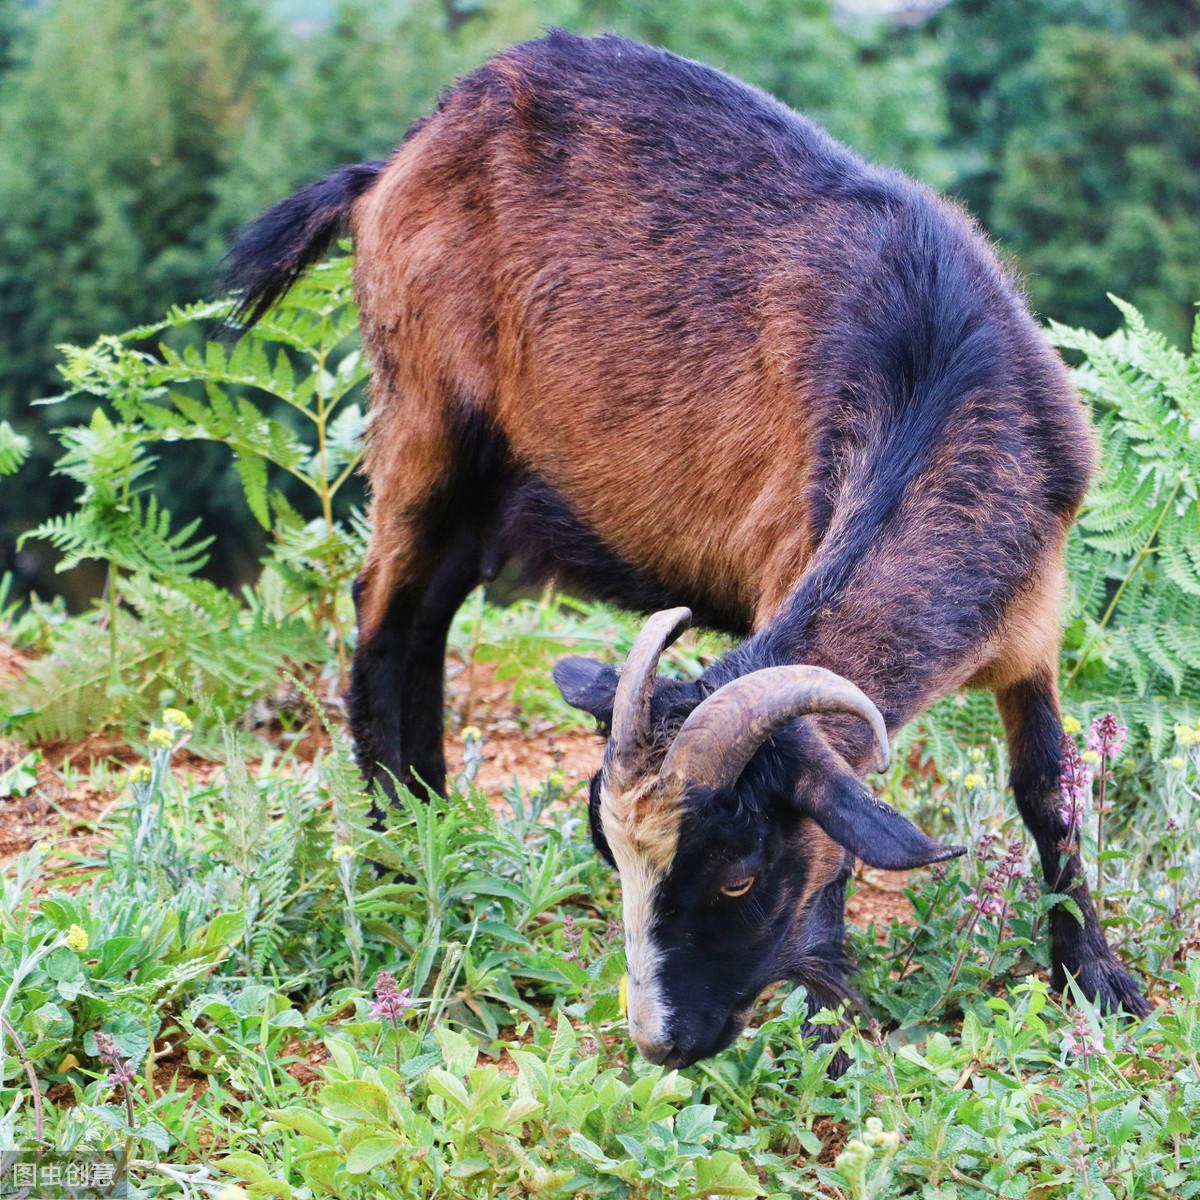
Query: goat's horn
(631, 707)
(722, 733)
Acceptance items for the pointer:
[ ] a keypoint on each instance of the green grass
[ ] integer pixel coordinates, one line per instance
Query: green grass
(230, 938)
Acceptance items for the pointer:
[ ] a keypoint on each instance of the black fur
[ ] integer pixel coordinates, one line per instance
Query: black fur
(397, 681)
(550, 540)
(277, 248)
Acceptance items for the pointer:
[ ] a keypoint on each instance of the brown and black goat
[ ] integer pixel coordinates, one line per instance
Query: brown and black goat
(644, 328)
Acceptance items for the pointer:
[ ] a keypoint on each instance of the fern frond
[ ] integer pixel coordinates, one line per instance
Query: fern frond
(14, 449)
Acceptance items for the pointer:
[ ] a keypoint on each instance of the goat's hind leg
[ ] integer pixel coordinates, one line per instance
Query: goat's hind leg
(434, 500)
(1031, 720)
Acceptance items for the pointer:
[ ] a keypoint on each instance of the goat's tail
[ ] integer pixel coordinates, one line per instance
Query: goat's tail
(277, 248)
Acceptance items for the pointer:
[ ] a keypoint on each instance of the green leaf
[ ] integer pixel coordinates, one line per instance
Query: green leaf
(373, 1152)
(722, 1174)
(14, 449)
(304, 1122)
(354, 1100)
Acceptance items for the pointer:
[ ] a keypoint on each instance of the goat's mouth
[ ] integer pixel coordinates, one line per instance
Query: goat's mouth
(688, 1054)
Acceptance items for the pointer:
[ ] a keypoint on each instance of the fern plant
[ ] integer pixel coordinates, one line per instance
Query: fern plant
(1133, 640)
(1132, 636)
(284, 400)
(14, 449)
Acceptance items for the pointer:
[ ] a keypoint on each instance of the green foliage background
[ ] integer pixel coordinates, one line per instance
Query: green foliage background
(135, 136)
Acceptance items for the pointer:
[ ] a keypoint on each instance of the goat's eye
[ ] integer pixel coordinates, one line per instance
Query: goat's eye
(738, 889)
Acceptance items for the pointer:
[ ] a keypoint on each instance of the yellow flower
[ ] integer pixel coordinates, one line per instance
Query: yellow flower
(342, 852)
(77, 938)
(472, 733)
(623, 995)
(973, 781)
(233, 1192)
(975, 754)
(556, 780)
(140, 774)
(1176, 762)
(1091, 757)
(1186, 735)
(160, 737)
(1071, 726)
(178, 718)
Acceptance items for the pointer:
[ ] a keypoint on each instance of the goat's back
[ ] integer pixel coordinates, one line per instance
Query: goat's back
(702, 322)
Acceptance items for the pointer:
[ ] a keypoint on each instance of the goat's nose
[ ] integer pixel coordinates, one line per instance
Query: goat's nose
(655, 1052)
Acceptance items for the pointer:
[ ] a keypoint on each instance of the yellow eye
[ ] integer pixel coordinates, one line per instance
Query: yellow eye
(740, 888)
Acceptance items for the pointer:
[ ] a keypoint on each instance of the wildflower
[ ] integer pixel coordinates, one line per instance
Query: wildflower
(1173, 825)
(1185, 735)
(1081, 1040)
(1010, 865)
(973, 781)
(623, 994)
(77, 938)
(1090, 757)
(121, 1072)
(472, 733)
(140, 774)
(1071, 726)
(985, 901)
(389, 1004)
(1075, 785)
(557, 779)
(984, 847)
(573, 936)
(161, 737)
(953, 774)
(233, 1192)
(178, 718)
(1106, 738)
(975, 754)
(342, 853)
(1176, 762)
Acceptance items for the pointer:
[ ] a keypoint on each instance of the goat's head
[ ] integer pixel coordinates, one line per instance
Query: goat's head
(721, 850)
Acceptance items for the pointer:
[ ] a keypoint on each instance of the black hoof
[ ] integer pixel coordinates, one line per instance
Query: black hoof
(1106, 982)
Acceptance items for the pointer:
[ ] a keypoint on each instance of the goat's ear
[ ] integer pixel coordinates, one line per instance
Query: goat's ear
(588, 685)
(856, 818)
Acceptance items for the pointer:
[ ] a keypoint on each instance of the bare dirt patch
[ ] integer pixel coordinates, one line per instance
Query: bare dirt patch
(879, 898)
(515, 749)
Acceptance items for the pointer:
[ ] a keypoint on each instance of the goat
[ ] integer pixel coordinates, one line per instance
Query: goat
(641, 327)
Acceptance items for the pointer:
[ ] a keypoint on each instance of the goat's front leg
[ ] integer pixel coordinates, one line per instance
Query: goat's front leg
(1031, 720)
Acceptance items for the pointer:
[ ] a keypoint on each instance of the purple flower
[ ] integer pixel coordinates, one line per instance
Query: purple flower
(389, 1004)
(573, 936)
(1081, 1040)
(1107, 738)
(122, 1072)
(1075, 785)
(986, 902)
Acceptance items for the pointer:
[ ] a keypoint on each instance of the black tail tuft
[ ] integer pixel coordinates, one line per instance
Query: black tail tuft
(277, 248)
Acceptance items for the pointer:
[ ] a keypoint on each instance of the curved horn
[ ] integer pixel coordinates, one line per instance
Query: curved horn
(635, 688)
(722, 733)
